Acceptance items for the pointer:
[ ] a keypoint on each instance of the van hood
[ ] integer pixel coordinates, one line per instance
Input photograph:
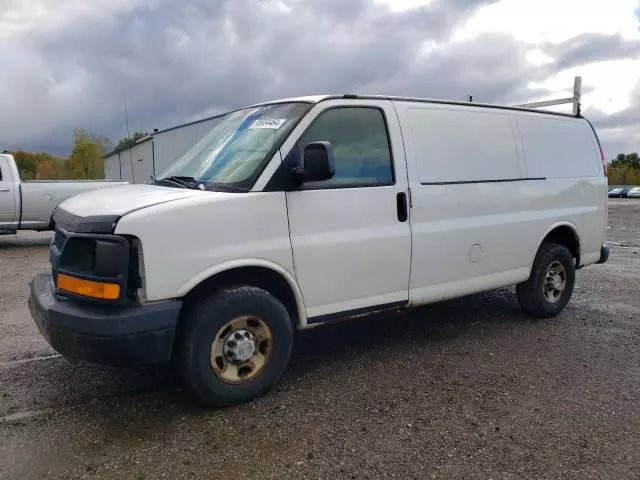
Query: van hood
(97, 211)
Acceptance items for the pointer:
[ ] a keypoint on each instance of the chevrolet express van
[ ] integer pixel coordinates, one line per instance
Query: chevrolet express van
(295, 213)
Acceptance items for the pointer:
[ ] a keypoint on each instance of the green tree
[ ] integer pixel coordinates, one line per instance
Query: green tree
(624, 175)
(39, 166)
(51, 168)
(630, 160)
(27, 164)
(625, 169)
(131, 140)
(85, 161)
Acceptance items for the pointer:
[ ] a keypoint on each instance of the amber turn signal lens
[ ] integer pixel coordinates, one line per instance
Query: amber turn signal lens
(88, 288)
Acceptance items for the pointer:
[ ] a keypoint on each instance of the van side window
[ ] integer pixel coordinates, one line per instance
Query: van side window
(360, 146)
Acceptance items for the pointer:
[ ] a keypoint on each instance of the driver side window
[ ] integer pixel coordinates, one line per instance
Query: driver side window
(360, 145)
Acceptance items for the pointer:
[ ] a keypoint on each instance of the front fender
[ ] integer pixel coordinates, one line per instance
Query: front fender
(249, 262)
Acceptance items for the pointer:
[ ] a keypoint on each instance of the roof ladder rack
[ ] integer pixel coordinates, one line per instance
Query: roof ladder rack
(575, 99)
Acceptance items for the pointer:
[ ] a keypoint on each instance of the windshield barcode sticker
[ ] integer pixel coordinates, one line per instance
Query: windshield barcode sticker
(273, 123)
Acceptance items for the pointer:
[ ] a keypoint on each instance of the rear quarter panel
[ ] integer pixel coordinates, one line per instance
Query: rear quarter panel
(566, 152)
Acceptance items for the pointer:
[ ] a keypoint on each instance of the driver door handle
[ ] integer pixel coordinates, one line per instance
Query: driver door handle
(401, 204)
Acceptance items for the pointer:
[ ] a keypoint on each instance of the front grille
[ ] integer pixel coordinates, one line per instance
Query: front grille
(59, 240)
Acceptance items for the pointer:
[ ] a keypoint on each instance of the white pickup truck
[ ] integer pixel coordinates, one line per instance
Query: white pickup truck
(29, 205)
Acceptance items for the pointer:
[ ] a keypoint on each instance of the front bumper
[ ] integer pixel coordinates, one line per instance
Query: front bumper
(113, 335)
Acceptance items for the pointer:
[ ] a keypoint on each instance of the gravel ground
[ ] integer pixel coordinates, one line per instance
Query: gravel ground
(469, 388)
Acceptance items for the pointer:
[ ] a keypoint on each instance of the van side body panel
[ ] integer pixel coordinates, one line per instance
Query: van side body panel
(483, 196)
(481, 201)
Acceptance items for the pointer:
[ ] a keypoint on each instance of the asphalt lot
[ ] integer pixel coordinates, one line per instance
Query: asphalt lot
(469, 388)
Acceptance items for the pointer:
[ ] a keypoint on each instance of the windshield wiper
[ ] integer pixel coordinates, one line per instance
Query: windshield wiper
(226, 187)
(195, 184)
(184, 182)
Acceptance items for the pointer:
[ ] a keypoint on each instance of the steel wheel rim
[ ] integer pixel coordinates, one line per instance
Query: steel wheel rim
(241, 349)
(555, 282)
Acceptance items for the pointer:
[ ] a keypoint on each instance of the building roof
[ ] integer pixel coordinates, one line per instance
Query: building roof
(151, 135)
(127, 147)
(194, 122)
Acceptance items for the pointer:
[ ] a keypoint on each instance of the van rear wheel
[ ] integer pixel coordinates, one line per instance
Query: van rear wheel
(550, 285)
(234, 345)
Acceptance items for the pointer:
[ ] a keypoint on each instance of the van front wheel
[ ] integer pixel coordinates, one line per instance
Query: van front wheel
(550, 285)
(234, 345)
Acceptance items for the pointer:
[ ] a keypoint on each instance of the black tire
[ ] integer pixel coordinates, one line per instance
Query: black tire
(531, 294)
(200, 324)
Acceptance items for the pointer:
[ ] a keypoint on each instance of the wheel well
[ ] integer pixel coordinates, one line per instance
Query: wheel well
(260, 277)
(565, 236)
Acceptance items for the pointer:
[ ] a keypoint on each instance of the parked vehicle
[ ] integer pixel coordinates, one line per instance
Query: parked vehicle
(634, 193)
(619, 192)
(296, 213)
(29, 205)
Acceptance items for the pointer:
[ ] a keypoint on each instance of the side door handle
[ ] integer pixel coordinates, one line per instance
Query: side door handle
(5, 190)
(401, 204)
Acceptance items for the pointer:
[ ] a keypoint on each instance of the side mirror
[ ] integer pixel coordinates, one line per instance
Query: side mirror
(317, 163)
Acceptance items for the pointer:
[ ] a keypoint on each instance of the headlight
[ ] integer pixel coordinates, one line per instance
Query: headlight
(109, 258)
(94, 266)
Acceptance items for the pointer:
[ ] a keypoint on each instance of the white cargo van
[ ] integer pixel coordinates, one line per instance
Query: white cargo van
(298, 212)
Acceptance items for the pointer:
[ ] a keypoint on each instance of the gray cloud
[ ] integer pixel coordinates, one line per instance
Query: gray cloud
(592, 47)
(619, 132)
(177, 62)
(626, 118)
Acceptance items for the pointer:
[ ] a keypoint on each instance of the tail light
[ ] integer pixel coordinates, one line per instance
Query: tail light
(604, 161)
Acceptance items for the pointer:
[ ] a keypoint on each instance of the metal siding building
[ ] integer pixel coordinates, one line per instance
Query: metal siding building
(134, 165)
(137, 162)
(152, 154)
(112, 166)
(171, 144)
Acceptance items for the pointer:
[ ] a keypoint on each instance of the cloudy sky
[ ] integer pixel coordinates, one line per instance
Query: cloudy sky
(69, 63)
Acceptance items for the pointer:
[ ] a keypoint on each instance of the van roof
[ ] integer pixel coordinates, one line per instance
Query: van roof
(352, 96)
(319, 98)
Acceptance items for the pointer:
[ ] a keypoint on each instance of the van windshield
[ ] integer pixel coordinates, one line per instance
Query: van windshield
(234, 152)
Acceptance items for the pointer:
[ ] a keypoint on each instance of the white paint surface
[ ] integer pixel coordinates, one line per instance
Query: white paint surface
(344, 248)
